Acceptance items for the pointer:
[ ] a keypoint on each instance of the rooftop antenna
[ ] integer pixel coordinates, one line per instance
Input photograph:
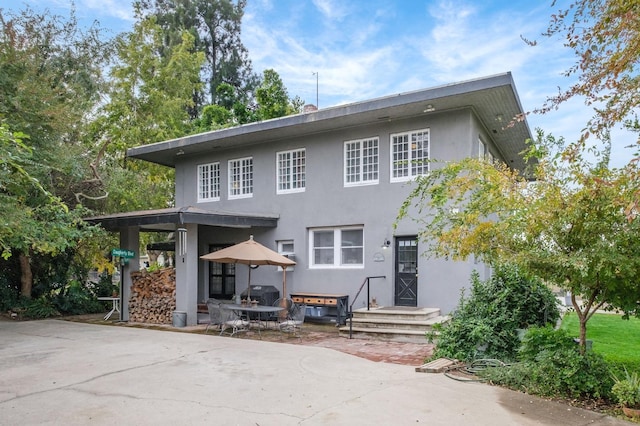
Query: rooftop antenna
(316, 74)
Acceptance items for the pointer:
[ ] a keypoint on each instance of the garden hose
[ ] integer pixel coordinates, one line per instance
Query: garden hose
(472, 369)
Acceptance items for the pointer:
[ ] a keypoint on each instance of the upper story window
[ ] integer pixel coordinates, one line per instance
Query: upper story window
(484, 153)
(409, 155)
(361, 162)
(482, 150)
(291, 171)
(336, 248)
(209, 182)
(241, 178)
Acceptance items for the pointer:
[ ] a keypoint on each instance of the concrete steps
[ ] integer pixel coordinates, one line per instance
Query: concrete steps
(398, 324)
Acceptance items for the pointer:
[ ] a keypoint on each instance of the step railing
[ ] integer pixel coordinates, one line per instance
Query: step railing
(350, 314)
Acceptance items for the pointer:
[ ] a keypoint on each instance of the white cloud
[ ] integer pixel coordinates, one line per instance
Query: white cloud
(467, 44)
(120, 9)
(332, 9)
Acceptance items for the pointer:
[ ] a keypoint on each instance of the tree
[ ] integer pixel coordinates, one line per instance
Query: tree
(48, 227)
(605, 37)
(272, 101)
(51, 81)
(273, 98)
(148, 102)
(216, 27)
(568, 227)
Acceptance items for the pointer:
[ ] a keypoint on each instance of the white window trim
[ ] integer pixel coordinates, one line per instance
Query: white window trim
(286, 253)
(230, 179)
(362, 181)
(212, 167)
(337, 247)
(411, 159)
(292, 190)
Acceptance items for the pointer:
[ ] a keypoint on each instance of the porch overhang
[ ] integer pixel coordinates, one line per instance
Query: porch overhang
(166, 220)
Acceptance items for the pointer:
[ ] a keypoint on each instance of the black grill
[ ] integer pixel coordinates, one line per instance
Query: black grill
(264, 294)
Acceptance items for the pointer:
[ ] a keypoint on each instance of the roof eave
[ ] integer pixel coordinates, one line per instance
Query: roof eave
(398, 106)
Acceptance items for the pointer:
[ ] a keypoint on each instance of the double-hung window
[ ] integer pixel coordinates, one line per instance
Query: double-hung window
(336, 247)
(361, 162)
(291, 171)
(241, 178)
(208, 182)
(409, 155)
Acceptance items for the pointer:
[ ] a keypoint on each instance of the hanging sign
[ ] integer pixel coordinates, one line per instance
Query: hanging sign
(127, 254)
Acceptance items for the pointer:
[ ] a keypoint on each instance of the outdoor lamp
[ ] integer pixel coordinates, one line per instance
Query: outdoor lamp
(182, 241)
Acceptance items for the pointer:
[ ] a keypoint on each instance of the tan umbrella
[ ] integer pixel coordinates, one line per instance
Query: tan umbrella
(250, 253)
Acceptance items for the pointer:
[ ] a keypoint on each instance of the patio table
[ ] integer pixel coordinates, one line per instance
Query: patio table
(115, 306)
(258, 309)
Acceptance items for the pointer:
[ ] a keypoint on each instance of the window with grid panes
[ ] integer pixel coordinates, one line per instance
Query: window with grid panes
(409, 155)
(337, 248)
(291, 171)
(209, 182)
(241, 178)
(361, 162)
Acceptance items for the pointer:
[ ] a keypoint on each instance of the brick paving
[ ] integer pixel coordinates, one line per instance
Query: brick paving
(313, 334)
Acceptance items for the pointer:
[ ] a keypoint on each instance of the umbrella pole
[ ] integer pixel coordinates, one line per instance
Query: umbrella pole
(249, 286)
(284, 282)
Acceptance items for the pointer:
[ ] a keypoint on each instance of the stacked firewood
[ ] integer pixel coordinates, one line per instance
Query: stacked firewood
(153, 296)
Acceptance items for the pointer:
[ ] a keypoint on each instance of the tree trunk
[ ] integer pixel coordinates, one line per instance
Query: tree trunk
(583, 334)
(583, 317)
(26, 275)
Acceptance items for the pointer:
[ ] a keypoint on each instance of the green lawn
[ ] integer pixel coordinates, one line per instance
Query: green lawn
(617, 340)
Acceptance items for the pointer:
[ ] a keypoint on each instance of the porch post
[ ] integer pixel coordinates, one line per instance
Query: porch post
(187, 274)
(129, 240)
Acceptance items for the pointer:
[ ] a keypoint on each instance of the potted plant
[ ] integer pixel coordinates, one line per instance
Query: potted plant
(627, 392)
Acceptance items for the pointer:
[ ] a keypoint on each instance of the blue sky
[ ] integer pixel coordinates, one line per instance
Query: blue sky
(363, 49)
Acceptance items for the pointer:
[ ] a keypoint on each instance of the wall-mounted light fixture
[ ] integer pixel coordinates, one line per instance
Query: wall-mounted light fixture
(180, 152)
(429, 108)
(385, 244)
(182, 241)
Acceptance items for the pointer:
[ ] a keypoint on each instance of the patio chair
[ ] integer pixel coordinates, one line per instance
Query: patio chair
(213, 307)
(230, 319)
(293, 324)
(278, 317)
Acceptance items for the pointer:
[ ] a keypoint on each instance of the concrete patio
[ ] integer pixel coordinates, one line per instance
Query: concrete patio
(60, 372)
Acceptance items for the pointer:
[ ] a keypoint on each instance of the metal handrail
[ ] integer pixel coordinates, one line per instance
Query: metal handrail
(366, 281)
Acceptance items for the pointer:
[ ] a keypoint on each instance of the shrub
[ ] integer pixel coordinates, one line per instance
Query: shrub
(627, 390)
(551, 365)
(76, 299)
(41, 307)
(9, 295)
(540, 339)
(485, 324)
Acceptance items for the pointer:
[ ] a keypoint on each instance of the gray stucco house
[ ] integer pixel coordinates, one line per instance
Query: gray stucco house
(325, 188)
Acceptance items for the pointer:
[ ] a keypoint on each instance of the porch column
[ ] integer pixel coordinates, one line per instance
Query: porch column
(129, 240)
(187, 273)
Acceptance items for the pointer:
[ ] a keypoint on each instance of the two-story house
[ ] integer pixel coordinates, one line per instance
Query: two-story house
(325, 187)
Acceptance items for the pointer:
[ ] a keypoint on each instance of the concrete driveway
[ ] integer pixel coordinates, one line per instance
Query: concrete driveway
(57, 372)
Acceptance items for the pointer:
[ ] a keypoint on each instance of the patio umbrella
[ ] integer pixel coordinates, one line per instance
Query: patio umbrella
(251, 253)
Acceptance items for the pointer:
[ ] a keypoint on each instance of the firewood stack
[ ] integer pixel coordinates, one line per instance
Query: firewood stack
(153, 296)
